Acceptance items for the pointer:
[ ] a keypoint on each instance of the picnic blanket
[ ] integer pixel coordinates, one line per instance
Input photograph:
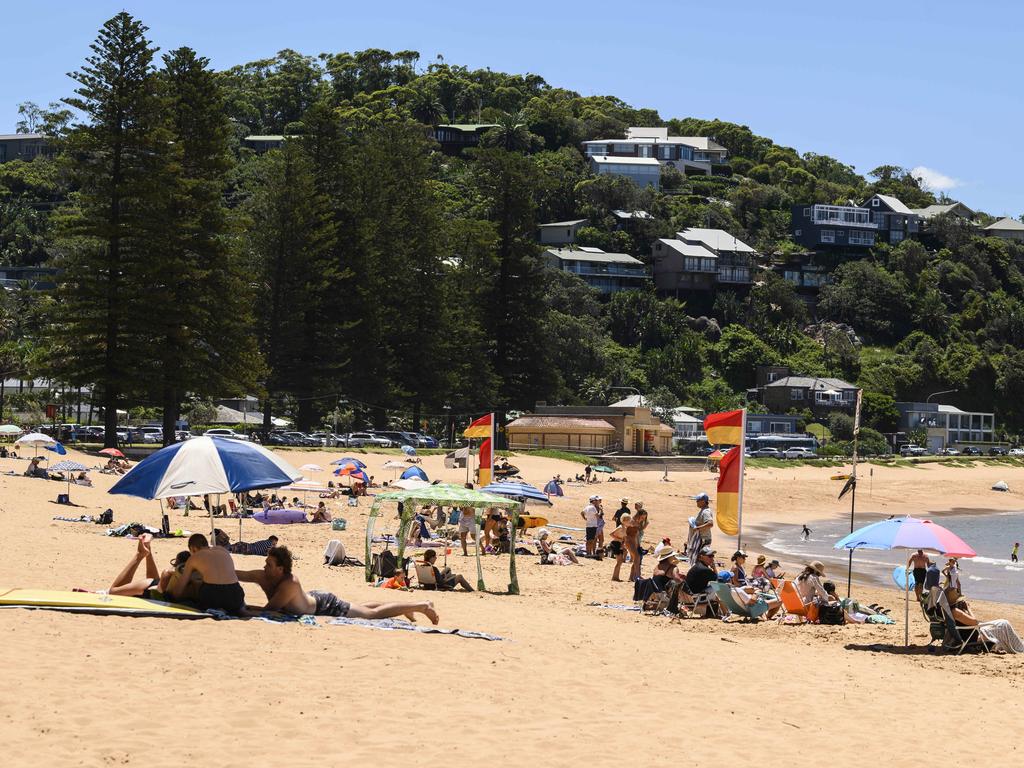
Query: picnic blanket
(392, 624)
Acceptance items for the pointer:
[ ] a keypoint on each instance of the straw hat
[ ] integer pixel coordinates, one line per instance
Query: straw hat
(817, 566)
(761, 560)
(623, 500)
(666, 553)
(542, 532)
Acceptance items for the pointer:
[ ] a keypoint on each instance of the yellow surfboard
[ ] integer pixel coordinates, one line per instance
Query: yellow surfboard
(90, 602)
(532, 521)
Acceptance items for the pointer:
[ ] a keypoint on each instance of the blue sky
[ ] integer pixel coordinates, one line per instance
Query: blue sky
(918, 84)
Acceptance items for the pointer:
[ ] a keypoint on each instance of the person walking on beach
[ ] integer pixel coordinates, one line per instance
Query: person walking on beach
(805, 534)
(591, 515)
(1013, 554)
(918, 564)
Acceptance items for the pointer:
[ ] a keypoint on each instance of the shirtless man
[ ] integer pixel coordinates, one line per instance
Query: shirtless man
(919, 563)
(220, 588)
(285, 594)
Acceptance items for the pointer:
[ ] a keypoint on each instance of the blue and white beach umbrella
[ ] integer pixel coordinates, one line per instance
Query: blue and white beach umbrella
(517, 491)
(415, 472)
(206, 465)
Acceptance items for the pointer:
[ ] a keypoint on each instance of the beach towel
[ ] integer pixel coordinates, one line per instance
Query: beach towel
(614, 606)
(1002, 635)
(392, 624)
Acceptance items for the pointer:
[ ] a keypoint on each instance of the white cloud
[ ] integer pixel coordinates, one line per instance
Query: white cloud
(934, 180)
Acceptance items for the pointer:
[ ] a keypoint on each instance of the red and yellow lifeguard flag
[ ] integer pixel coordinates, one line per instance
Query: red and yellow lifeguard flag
(730, 475)
(486, 462)
(724, 428)
(481, 427)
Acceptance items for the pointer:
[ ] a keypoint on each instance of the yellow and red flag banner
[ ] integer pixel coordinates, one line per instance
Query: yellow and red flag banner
(724, 428)
(481, 427)
(730, 475)
(486, 462)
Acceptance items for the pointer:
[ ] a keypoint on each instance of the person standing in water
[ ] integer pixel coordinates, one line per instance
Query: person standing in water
(1013, 553)
(805, 534)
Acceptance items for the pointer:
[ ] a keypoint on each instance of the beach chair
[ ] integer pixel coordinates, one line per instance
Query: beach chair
(725, 596)
(793, 604)
(942, 627)
(425, 576)
(700, 606)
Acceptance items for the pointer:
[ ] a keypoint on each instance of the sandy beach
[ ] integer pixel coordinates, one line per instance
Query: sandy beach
(572, 684)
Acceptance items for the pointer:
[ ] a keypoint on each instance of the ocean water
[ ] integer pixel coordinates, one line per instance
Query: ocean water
(989, 576)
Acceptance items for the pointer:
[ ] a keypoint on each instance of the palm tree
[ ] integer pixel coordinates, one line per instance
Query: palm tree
(511, 132)
(427, 108)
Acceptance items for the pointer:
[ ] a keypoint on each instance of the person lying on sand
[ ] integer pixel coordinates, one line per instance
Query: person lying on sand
(220, 588)
(221, 539)
(155, 585)
(285, 594)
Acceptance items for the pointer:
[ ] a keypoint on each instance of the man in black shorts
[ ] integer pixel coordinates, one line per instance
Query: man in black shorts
(919, 562)
(591, 515)
(285, 594)
(220, 588)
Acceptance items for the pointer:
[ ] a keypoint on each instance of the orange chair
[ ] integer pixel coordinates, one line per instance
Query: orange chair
(794, 605)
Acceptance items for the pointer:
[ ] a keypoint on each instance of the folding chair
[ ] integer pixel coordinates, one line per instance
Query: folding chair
(425, 576)
(726, 597)
(942, 625)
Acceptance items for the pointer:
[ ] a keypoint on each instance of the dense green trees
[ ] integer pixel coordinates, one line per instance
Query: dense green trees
(356, 262)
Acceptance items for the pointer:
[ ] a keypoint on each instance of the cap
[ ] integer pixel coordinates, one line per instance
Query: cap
(702, 497)
(595, 497)
(706, 551)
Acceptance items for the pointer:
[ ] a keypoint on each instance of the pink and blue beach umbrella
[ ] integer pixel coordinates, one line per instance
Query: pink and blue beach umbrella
(348, 460)
(907, 533)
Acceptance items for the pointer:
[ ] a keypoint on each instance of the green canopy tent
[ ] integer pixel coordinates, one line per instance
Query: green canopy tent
(450, 495)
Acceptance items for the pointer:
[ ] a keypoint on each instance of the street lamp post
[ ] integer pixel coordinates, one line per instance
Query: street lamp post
(943, 392)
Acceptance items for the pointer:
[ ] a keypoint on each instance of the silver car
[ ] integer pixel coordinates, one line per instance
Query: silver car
(365, 439)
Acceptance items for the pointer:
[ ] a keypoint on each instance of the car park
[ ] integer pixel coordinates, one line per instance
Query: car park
(799, 453)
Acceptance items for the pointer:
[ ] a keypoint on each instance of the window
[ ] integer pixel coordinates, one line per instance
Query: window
(780, 427)
(828, 235)
(874, 202)
(895, 236)
(807, 213)
(796, 394)
(862, 238)
(772, 376)
(799, 232)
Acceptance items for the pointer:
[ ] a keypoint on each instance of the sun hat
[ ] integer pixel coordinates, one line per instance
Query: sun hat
(623, 501)
(817, 566)
(761, 560)
(666, 553)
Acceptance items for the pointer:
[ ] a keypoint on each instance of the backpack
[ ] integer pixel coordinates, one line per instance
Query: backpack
(831, 613)
(385, 564)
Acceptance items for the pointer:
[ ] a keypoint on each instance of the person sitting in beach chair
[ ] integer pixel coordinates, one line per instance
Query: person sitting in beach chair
(696, 593)
(83, 480)
(551, 556)
(444, 580)
(657, 591)
(997, 634)
(285, 594)
(34, 470)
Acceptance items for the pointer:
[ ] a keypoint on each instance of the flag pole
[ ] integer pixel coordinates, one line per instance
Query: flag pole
(743, 451)
(853, 489)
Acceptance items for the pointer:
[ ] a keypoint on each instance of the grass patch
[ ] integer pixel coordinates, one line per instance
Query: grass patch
(783, 463)
(820, 431)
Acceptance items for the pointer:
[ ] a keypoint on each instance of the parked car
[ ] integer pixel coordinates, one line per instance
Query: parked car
(151, 434)
(301, 439)
(366, 439)
(320, 437)
(970, 450)
(426, 441)
(398, 438)
(1017, 451)
(996, 450)
(912, 450)
(228, 433)
(799, 453)
(950, 452)
(766, 453)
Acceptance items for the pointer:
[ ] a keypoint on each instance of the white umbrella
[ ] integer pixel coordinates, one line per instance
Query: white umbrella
(35, 440)
(311, 468)
(411, 484)
(10, 429)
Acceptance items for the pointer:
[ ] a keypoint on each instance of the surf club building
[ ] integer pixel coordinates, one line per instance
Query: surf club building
(946, 425)
(591, 429)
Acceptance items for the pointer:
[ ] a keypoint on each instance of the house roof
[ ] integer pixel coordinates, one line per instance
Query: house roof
(468, 126)
(894, 203)
(817, 384)
(700, 142)
(573, 223)
(619, 214)
(560, 423)
(590, 255)
(269, 137)
(1006, 224)
(688, 249)
(938, 210)
(715, 239)
(606, 159)
(642, 132)
(21, 136)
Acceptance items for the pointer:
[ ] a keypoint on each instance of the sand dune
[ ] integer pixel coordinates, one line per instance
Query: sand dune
(572, 685)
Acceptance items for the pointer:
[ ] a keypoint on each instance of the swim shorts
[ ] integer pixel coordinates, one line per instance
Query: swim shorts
(328, 604)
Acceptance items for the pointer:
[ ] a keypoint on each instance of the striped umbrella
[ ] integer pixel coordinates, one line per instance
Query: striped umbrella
(517, 491)
(69, 466)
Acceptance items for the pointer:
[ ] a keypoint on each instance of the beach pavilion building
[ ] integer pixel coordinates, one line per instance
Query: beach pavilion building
(591, 429)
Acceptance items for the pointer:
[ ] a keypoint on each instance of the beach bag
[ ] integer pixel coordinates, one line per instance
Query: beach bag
(831, 613)
(107, 518)
(385, 564)
(334, 554)
(339, 524)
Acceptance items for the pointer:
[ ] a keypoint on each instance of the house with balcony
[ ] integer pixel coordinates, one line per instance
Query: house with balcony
(946, 426)
(833, 227)
(559, 232)
(807, 272)
(896, 222)
(949, 209)
(1006, 228)
(778, 390)
(735, 258)
(456, 137)
(688, 154)
(23, 146)
(607, 272)
(643, 171)
(699, 259)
